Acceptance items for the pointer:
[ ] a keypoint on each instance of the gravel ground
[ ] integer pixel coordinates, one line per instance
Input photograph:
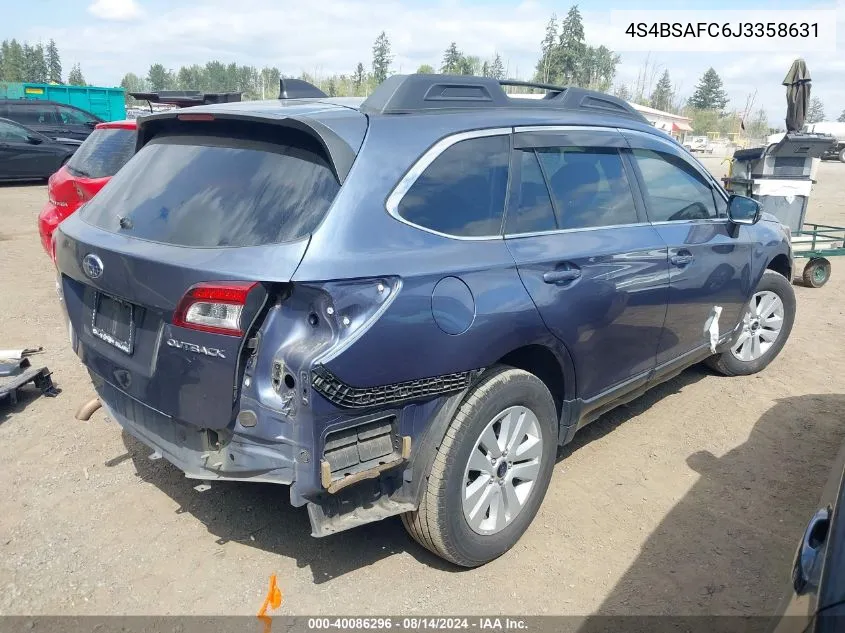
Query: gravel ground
(689, 500)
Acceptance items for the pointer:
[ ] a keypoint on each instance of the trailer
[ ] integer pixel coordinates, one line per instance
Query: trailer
(109, 104)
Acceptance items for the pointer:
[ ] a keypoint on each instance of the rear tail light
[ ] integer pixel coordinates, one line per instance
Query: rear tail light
(214, 307)
(352, 307)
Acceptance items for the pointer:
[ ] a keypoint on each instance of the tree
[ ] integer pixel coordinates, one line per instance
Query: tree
(216, 78)
(485, 69)
(547, 48)
(54, 63)
(661, 98)
(470, 65)
(709, 94)
(623, 92)
(381, 58)
(191, 78)
(841, 118)
(269, 79)
(815, 112)
(40, 71)
(132, 83)
(451, 60)
(497, 68)
(13, 61)
(704, 121)
(598, 68)
(569, 55)
(358, 78)
(426, 69)
(75, 77)
(159, 78)
(34, 65)
(758, 127)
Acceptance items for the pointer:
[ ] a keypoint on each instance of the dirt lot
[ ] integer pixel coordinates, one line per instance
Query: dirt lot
(687, 501)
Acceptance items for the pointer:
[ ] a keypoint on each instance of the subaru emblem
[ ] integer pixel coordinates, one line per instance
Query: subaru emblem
(92, 266)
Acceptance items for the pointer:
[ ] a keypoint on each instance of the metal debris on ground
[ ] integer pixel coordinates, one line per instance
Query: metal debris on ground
(16, 371)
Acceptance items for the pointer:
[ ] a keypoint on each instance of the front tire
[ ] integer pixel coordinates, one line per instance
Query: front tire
(842, 155)
(491, 471)
(765, 328)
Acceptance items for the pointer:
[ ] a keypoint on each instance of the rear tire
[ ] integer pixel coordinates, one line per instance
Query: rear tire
(768, 321)
(842, 155)
(441, 522)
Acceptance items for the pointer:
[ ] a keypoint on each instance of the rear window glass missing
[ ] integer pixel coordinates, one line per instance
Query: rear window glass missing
(207, 191)
(103, 153)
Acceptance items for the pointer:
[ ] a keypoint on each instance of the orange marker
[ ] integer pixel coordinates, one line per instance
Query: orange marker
(273, 600)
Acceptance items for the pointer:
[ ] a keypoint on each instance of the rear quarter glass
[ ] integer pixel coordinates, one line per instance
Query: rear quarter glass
(103, 153)
(216, 191)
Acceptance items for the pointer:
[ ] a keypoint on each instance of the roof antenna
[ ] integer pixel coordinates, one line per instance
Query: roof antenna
(299, 89)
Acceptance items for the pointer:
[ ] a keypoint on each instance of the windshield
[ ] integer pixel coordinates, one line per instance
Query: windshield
(207, 191)
(103, 153)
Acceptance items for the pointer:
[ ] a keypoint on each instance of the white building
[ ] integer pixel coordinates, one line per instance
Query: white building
(673, 124)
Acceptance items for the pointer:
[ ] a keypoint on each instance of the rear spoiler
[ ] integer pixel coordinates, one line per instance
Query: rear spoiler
(339, 151)
(185, 98)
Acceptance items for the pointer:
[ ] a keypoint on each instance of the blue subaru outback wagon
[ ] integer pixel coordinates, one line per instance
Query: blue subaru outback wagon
(404, 306)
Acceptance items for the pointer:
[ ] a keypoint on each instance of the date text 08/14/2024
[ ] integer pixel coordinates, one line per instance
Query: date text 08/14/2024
(418, 623)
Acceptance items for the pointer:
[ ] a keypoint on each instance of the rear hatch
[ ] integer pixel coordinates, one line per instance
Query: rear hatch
(168, 270)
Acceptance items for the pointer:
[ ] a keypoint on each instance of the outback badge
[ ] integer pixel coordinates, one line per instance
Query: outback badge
(193, 347)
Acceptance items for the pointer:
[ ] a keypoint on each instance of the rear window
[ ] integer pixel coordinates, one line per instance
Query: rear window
(207, 191)
(103, 153)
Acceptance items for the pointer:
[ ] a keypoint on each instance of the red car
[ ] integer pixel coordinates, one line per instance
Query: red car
(105, 151)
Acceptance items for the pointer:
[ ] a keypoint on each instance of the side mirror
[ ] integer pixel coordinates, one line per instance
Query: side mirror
(34, 140)
(91, 124)
(743, 210)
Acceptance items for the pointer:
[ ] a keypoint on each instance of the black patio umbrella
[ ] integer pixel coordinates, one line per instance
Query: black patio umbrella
(797, 82)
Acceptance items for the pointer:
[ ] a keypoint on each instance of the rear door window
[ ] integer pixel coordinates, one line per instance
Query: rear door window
(33, 114)
(533, 211)
(207, 191)
(462, 193)
(103, 153)
(72, 116)
(589, 186)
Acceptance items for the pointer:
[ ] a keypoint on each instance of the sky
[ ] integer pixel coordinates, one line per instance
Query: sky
(109, 38)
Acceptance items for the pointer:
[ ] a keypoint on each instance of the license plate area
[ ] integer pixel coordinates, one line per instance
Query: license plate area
(113, 321)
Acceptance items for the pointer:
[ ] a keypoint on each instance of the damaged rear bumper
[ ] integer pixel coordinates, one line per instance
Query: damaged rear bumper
(199, 453)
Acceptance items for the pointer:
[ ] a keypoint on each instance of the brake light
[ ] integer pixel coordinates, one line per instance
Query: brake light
(214, 307)
(195, 117)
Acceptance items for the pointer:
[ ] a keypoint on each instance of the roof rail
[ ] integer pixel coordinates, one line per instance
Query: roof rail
(298, 89)
(404, 94)
(185, 98)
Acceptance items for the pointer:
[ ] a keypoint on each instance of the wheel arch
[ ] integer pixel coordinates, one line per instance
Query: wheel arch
(780, 264)
(548, 359)
(552, 368)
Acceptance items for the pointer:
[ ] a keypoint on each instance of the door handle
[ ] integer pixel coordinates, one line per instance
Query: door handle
(561, 276)
(805, 574)
(681, 259)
